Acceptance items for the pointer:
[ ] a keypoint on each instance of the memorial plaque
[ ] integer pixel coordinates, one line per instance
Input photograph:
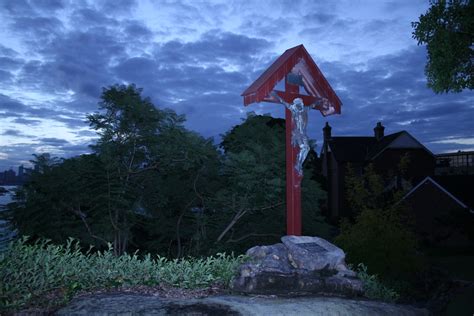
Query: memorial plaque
(311, 247)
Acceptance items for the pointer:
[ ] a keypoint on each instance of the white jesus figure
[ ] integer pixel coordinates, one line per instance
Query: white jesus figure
(299, 113)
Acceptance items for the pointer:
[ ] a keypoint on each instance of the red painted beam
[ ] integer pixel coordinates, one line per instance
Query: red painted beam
(264, 84)
(293, 179)
(289, 97)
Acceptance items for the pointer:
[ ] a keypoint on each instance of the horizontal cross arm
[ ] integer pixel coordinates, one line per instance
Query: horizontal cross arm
(289, 97)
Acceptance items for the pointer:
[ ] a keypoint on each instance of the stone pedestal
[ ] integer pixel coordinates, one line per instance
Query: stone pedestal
(299, 265)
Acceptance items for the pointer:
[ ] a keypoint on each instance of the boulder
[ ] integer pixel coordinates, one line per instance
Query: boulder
(299, 265)
(314, 253)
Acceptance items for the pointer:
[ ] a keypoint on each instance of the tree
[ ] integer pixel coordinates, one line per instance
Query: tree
(177, 219)
(447, 29)
(57, 200)
(129, 127)
(137, 190)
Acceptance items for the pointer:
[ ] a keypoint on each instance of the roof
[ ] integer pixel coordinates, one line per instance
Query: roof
(460, 185)
(363, 148)
(439, 187)
(383, 143)
(354, 149)
(387, 140)
(318, 85)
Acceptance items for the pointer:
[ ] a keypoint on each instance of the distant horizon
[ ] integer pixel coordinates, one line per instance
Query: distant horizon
(318, 149)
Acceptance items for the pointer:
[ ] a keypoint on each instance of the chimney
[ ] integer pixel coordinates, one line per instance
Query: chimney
(378, 131)
(327, 132)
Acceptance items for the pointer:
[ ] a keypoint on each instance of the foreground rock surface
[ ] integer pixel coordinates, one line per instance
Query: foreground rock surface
(132, 304)
(299, 265)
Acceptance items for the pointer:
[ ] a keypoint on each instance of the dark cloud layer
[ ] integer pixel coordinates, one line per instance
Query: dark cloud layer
(393, 90)
(77, 48)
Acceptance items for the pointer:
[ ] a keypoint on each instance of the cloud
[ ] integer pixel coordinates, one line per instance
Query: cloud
(9, 63)
(53, 141)
(9, 104)
(451, 140)
(7, 52)
(5, 76)
(15, 133)
(212, 47)
(24, 121)
(37, 28)
(264, 26)
(202, 78)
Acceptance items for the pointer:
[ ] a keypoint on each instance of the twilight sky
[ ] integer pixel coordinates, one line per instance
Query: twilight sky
(197, 57)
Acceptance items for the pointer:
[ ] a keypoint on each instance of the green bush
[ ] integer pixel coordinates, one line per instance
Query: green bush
(30, 273)
(379, 240)
(380, 235)
(373, 288)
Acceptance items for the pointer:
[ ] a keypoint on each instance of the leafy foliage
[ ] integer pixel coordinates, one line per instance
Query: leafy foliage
(380, 237)
(29, 273)
(373, 288)
(45, 206)
(447, 29)
(176, 220)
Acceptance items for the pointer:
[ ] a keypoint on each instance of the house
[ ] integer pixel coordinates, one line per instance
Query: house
(383, 151)
(439, 217)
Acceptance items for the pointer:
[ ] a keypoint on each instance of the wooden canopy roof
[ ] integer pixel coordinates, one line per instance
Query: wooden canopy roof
(319, 86)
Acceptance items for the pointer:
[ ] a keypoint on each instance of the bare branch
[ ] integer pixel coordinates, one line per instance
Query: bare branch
(82, 216)
(240, 214)
(266, 207)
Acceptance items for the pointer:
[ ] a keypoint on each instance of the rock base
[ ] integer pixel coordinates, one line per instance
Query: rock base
(298, 266)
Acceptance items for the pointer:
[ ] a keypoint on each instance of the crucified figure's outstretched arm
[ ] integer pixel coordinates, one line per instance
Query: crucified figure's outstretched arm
(323, 105)
(276, 96)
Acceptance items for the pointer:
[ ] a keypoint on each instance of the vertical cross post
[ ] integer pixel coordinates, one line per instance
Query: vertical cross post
(293, 179)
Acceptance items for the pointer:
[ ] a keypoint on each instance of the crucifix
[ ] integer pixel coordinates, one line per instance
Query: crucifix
(298, 70)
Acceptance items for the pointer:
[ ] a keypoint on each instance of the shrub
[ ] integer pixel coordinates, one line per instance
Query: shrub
(379, 240)
(380, 236)
(373, 288)
(30, 273)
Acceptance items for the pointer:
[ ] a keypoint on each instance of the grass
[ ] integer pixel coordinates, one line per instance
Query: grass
(31, 273)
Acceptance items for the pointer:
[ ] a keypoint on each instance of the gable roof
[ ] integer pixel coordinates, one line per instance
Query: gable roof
(363, 148)
(316, 83)
(460, 186)
(439, 187)
(382, 144)
(385, 143)
(349, 148)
